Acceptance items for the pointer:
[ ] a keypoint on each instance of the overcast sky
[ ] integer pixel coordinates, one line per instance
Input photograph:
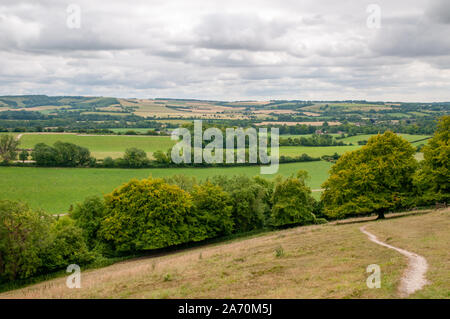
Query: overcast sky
(227, 50)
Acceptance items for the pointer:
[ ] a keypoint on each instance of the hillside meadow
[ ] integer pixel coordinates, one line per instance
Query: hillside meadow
(321, 261)
(55, 189)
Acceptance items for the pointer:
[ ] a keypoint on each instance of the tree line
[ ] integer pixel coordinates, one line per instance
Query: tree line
(154, 213)
(314, 140)
(64, 154)
(148, 214)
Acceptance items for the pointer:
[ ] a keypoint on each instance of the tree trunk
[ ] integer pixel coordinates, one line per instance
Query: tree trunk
(380, 215)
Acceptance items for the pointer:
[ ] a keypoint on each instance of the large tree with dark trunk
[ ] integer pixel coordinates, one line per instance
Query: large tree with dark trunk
(374, 179)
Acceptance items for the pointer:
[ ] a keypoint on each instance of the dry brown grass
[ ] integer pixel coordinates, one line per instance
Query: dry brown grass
(311, 114)
(274, 111)
(325, 261)
(428, 236)
(319, 123)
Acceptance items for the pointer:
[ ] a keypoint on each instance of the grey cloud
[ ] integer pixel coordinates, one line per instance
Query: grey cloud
(240, 32)
(439, 11)
(234, 50)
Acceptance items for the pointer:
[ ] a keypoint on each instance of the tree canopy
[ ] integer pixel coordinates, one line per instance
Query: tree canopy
(292, 202)
(374, 179)
(8, 147)
(433, 178)
(146, 214)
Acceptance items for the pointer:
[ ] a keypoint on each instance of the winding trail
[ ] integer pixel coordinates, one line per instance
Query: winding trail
(414, 277)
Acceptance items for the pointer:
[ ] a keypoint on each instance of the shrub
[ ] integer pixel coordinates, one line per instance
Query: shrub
(279, 252)
(108, 162)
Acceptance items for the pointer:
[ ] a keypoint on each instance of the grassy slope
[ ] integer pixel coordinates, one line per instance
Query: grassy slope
(428, 236)
(326, 261)
(55, 189)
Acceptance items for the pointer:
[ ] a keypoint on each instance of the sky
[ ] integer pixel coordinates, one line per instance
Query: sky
(227, 50)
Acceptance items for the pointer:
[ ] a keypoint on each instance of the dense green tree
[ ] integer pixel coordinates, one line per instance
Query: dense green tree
(108, 162)
(249, 201)
(292, 202)
(23, 155)
(146, 214)
(23, 236)
(61, 154)
(33, 242)
(433, 178)
(135, 157)
(211, 213)
(8, 147)
(88, 216)
(374, 179)
(71, 155)
(44, 155)
(66, 245)
(186, 183)
(162, 157)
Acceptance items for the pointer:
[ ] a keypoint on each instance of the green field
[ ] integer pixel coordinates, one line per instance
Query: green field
(137, 130)
(102, 146)
(55, 189)
(330, 150)
(115, 146)
(316, 151)
(408, 137)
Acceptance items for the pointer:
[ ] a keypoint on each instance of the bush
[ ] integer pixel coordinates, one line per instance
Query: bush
(108, 162)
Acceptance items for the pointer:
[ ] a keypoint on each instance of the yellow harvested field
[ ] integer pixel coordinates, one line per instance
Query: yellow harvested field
(297, 123)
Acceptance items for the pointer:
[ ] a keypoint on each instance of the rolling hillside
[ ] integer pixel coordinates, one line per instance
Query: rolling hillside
(325, 261)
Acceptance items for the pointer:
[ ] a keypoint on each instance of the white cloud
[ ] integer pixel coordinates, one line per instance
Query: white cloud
(257, 49)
